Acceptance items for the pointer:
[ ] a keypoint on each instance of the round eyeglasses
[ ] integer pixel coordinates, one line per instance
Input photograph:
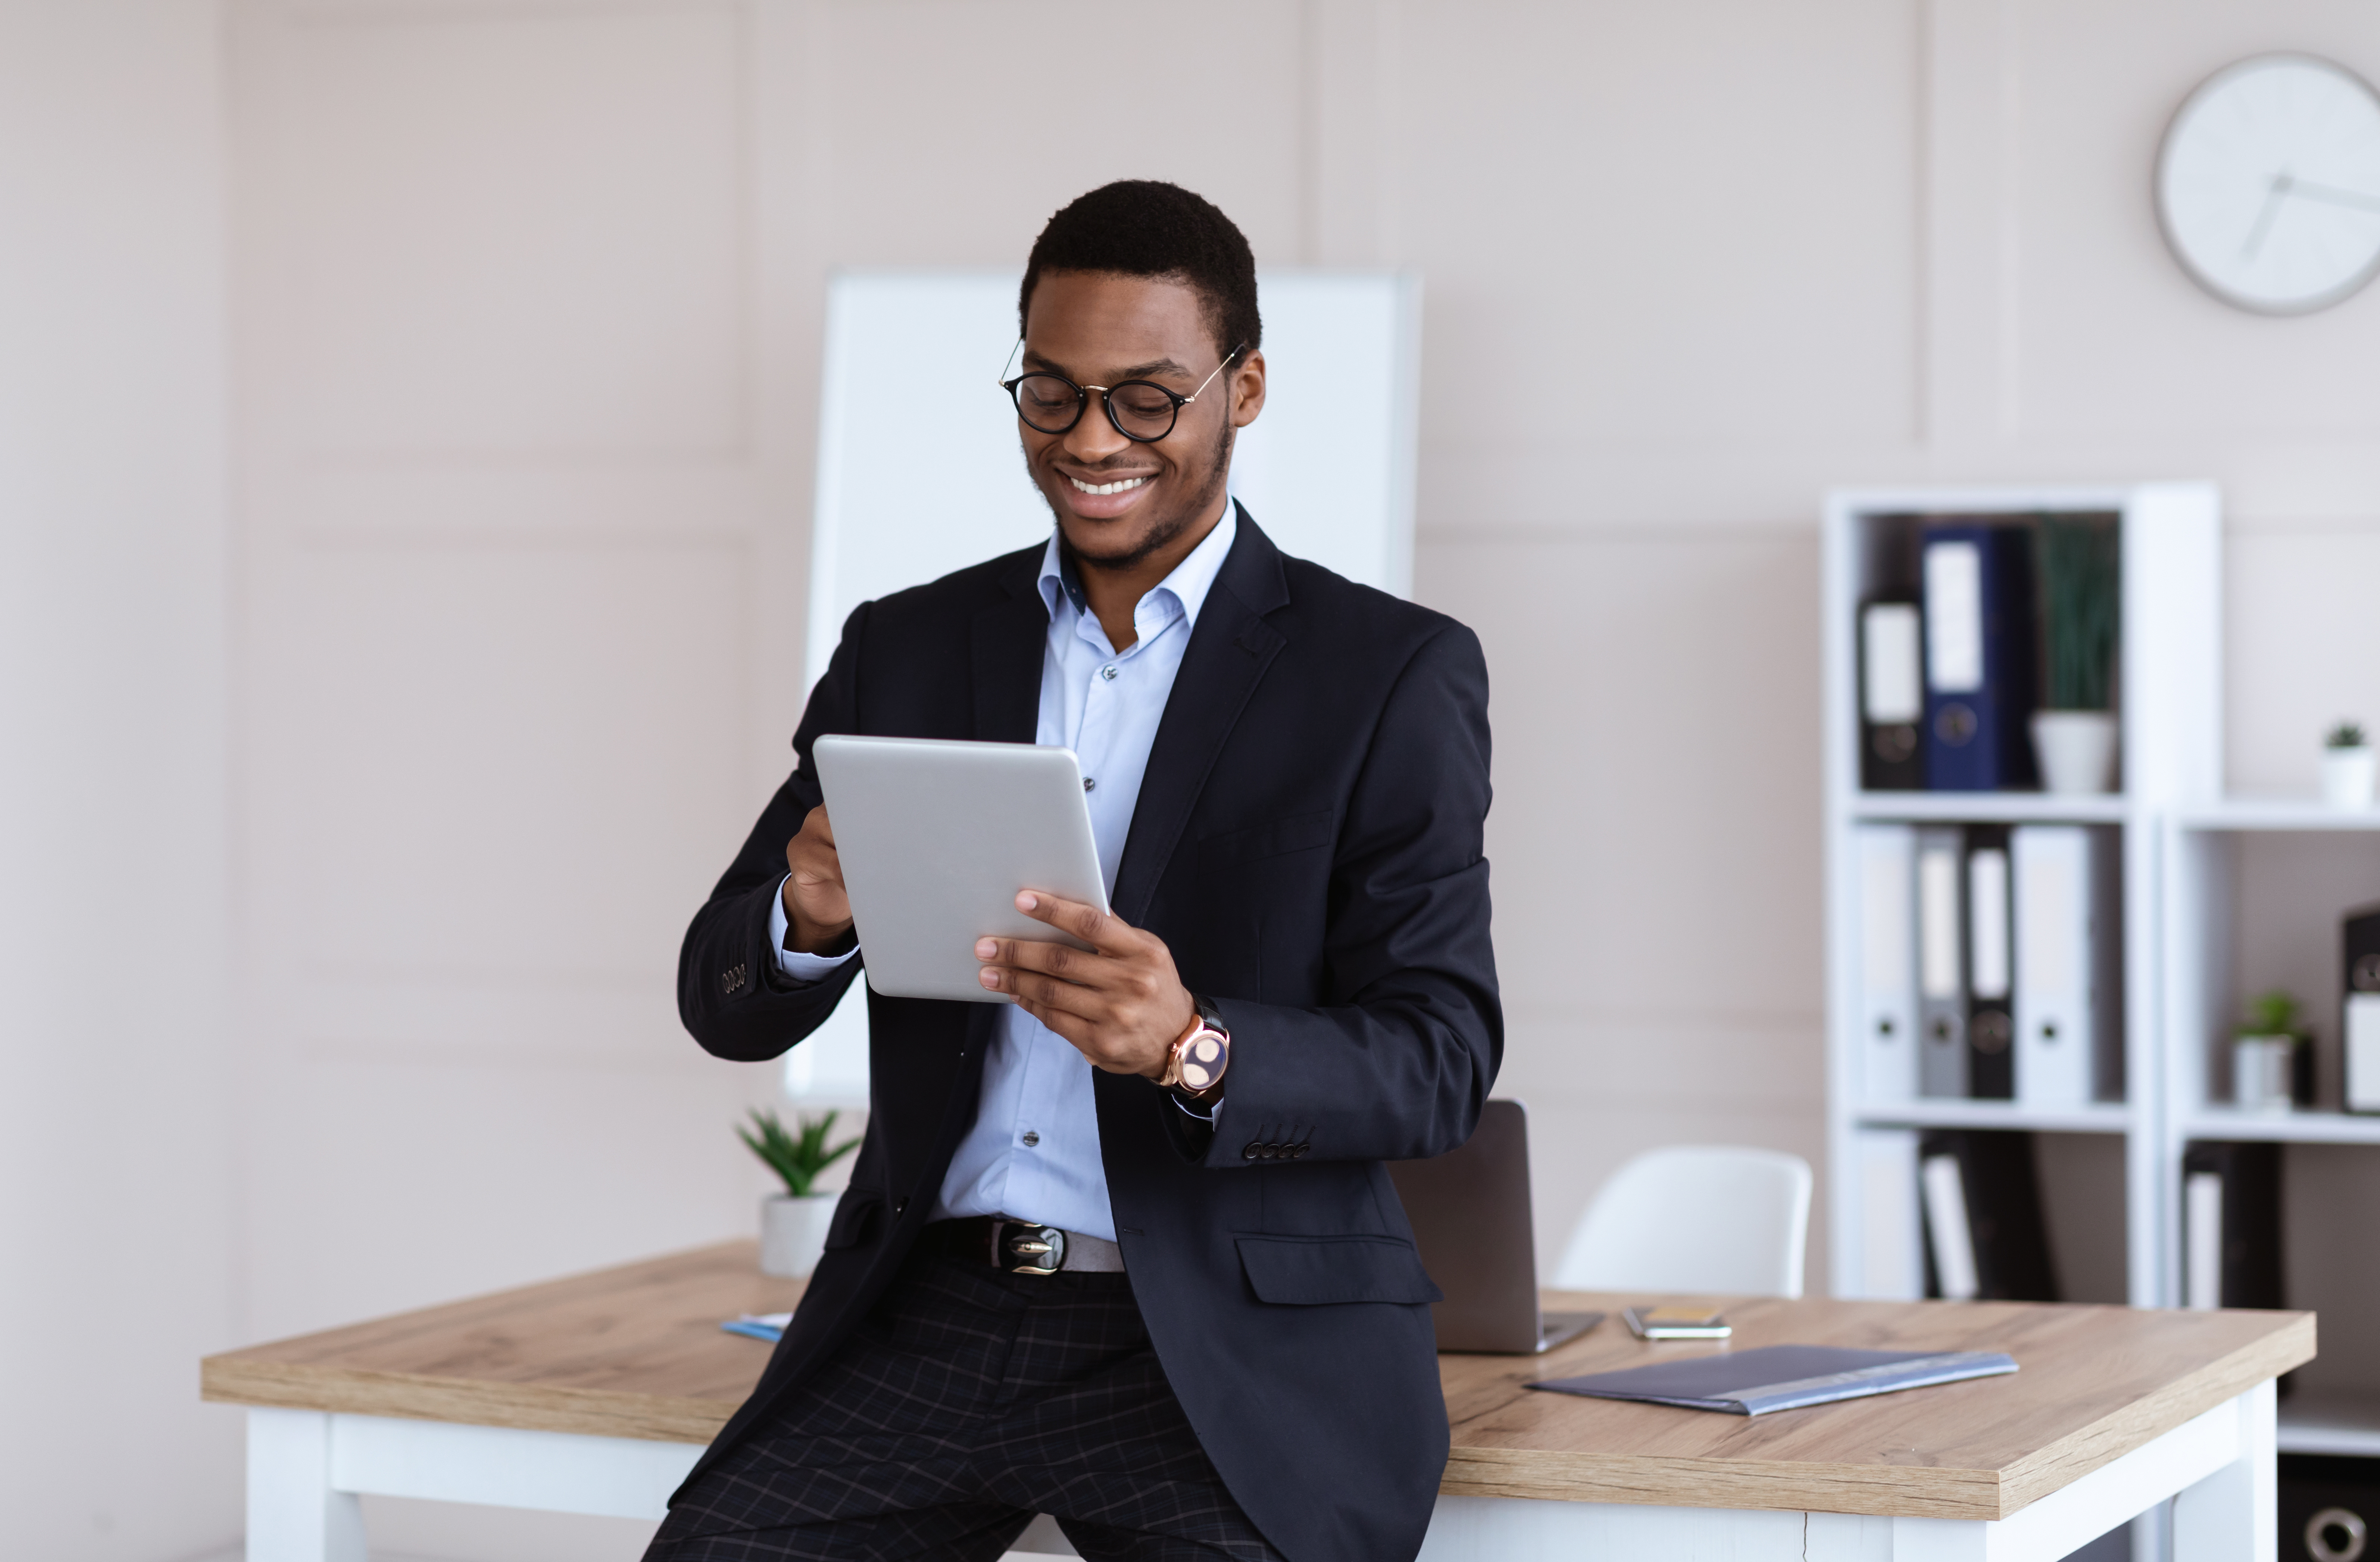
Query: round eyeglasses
(1142, 410)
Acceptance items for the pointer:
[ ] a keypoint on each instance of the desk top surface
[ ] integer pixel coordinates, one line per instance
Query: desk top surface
(636, 1352)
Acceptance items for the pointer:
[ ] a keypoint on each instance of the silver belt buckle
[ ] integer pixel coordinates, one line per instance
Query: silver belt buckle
(1021, 1248)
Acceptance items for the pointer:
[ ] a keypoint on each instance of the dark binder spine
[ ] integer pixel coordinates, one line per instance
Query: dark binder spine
(2250, 1264)
(1892, 696)
(2359, 1011)
(2329, 1505)
(1991, 964)
(1979, 658)
(2005, 1224)
(2107, 963)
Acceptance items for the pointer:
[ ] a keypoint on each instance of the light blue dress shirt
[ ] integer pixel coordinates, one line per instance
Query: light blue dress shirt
(1034, 1151)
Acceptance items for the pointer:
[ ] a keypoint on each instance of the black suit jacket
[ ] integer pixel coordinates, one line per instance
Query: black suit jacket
(1307, 842)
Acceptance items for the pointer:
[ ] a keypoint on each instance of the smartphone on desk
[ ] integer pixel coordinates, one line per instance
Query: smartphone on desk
(1674, 1321)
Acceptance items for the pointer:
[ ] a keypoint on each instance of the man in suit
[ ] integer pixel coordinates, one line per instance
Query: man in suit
(1125, 1251)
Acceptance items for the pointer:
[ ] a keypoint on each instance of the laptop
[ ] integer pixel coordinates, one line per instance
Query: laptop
(1470, 1215)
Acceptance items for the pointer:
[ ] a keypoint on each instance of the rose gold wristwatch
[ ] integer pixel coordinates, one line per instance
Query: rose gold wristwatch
(1195, 1066)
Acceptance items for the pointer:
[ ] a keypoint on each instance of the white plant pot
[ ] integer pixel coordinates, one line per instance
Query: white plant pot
(2261, 1073)
(793, 1232)
(2346, 776)
(2077, 750)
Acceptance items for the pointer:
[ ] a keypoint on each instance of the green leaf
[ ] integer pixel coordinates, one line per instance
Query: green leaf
(2271, 1013)
(797, 1159)
(2079, 572)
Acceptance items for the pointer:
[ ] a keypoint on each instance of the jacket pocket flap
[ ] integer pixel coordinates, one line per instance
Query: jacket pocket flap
(855, 1217)
(1312, 1271)
(1299, 832)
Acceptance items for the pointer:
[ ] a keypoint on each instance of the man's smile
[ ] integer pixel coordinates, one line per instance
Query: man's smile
(1104, 498)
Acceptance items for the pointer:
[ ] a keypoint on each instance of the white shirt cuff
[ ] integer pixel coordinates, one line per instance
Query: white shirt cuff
(793, 962)
(1213, 1114)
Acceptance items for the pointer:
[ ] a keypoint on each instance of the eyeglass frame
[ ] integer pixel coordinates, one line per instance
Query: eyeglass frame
(1083, 397)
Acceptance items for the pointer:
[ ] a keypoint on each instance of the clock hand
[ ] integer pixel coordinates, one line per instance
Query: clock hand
(2332, 195)
(2282, 183)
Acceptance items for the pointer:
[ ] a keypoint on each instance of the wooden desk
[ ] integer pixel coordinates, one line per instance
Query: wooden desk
(594, 1394)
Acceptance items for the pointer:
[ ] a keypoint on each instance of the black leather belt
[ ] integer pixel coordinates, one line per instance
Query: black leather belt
(1022, 1247)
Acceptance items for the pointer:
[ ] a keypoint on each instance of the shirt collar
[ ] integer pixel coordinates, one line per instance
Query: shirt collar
(1189, 583)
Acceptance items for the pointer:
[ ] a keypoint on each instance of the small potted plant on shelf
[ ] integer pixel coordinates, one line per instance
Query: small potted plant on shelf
(794, 1223)
(2074, 732)
(2272, 1056)
(2347, 766)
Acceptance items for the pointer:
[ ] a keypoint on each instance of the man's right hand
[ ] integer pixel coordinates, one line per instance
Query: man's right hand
(817, 912)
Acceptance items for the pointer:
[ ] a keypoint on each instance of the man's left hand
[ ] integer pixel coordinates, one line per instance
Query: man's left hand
(1120, 1002)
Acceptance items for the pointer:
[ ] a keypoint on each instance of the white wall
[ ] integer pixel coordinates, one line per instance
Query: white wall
(116, 1222)
(525, 318)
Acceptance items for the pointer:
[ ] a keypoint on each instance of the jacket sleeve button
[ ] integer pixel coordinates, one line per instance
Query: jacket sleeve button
(1250, 1150)
(1303, 1146)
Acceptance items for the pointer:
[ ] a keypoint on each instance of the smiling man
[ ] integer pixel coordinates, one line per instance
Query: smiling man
(1125, 1251)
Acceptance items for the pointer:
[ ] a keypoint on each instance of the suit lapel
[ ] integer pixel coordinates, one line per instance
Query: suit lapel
(1230, 650)
(1008, 641)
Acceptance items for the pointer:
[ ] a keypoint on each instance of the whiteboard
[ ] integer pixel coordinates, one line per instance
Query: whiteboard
(919, 472)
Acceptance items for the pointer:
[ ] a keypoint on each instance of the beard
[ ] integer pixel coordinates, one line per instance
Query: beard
(1167, 530)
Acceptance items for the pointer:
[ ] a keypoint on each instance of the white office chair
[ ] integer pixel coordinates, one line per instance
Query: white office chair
(1712, 1219)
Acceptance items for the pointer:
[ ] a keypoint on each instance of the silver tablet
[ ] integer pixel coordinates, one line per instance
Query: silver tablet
(935, 839)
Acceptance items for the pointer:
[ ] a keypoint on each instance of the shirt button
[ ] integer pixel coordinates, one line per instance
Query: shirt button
(1089, 784)
(1031, 1138)
(1108, 672)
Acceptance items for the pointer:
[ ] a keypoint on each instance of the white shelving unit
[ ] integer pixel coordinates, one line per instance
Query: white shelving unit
(2312, 1423)
(2223, 897)
(1986, 807)
(2112, 1117)
(2169, 704)
(2254, 885)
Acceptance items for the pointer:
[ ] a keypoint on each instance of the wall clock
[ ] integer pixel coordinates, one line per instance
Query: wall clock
(2269, 184)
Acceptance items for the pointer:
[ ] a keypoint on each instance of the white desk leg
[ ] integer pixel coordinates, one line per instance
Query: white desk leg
(2233, 1515)
(293, 1514)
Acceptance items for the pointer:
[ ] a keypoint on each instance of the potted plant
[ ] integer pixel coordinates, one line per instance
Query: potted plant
(794, 1223)
(2347, 766)
(2074, 732)
(2272, 1056)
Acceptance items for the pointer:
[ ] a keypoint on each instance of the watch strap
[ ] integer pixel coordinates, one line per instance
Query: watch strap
(1196, 1064)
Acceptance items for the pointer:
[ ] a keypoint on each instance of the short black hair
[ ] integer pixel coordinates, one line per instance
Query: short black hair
(1146, 227)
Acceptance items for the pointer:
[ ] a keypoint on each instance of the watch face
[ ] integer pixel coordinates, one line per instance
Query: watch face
(1202, 1060)
(2269, 184)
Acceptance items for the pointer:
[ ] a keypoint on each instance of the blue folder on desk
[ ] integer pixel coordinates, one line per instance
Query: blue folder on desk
(769, 1327)
(1782, 1378)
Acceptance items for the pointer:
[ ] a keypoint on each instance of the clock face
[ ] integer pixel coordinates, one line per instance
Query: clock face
(2269, 184)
